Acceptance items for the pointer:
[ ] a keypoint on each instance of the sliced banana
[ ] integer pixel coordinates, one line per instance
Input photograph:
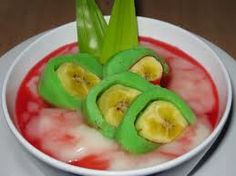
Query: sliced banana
(76, 80)
(114, 102)
(149, 68)
(161, 122)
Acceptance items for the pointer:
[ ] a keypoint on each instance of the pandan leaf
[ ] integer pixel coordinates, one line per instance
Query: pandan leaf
(91, 27)
(122, 31)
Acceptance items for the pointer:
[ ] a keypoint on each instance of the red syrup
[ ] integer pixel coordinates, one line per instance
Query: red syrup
(29, 106)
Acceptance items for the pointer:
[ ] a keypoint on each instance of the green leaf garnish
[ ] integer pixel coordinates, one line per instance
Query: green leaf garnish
(91, 27)
(122, 32)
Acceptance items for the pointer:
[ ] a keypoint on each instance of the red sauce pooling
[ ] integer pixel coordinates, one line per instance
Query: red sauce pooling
(25, 95)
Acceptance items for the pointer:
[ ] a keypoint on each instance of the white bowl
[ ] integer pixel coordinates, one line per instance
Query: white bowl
(156, 29)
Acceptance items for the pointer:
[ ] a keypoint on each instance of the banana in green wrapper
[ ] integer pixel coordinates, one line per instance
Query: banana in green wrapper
(107, 102)
(139, 60)
(66, 80)
(156, 117)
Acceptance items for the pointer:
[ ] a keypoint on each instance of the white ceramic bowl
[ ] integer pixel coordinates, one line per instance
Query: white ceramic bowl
(147, 27)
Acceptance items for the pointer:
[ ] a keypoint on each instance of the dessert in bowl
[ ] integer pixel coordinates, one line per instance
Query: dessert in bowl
(206, 73)
(80, 136)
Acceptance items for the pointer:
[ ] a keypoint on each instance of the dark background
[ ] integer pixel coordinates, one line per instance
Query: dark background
(214, 20)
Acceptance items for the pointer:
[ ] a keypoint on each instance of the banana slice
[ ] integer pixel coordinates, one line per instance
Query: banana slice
(76, 80)
(149, 68)
(114, 102)
(161, 122)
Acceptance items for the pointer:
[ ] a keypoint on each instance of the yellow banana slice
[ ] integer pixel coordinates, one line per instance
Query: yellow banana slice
(76, 80)
(149, 68)
(161, 122)
(114, 102)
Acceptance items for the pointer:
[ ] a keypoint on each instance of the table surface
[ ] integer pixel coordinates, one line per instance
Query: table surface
(214, 20)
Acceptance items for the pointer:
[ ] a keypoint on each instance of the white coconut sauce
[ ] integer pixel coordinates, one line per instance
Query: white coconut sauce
(65, 135)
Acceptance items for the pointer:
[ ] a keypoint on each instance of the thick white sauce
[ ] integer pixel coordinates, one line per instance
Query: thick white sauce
(67, 137)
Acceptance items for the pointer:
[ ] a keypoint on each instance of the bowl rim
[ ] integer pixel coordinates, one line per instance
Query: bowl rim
(143, 171)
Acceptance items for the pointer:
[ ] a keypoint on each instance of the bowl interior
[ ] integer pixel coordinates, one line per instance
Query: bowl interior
(147, 27)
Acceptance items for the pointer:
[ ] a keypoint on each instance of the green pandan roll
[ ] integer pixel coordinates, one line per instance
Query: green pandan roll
(139, 60)
(156, 117)
(66, 80)
(108, 101)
